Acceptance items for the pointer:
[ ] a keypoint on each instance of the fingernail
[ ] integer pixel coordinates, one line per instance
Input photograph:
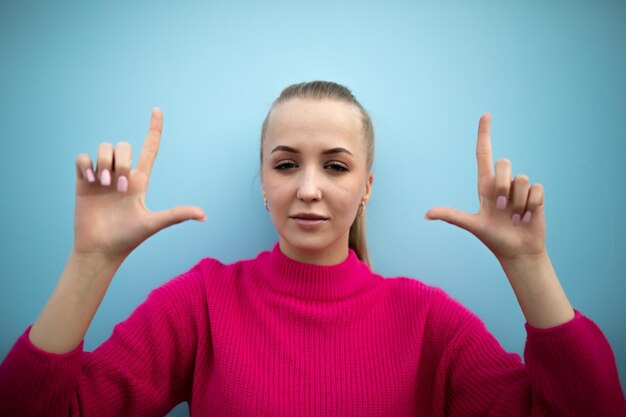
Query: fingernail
(90, 176)
(527, 216)
(515, 219)
(105, 177)
(501, 203)
(122, 184)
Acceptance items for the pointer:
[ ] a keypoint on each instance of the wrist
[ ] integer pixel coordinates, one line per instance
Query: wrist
(526, 261)
(67, 315)
(94, 261)
(538, 290)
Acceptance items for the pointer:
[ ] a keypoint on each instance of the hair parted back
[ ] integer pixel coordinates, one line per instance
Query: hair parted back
(327, 90)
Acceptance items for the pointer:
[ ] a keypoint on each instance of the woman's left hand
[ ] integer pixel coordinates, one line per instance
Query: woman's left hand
(510, 221)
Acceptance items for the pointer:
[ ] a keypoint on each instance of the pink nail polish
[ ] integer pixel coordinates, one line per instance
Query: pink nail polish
(515, 219)
(105, 177)
(122, 184)
(90, 176)
(501, 202)
(527, 216)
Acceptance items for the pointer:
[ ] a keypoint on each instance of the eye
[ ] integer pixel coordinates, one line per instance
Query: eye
(336, 167)
(285, 165)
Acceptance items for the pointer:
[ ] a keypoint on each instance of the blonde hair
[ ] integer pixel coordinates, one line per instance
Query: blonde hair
(326, 90)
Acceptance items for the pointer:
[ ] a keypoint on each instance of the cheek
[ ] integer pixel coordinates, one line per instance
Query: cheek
(348, 195)
(278, 192)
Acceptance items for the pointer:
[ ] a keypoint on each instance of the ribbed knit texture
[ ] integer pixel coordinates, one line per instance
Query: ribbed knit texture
(274, 337)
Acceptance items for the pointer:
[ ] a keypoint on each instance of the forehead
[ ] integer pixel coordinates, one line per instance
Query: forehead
(315, 124)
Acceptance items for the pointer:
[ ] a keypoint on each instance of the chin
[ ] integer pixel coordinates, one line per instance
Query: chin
(314, 246)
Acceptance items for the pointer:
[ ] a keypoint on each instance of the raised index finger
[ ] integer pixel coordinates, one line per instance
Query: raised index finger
(151, 143)
(483, 147)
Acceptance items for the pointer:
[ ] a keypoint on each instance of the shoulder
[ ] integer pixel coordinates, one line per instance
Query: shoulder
(420, 291)
(216, 274)
(206, 277)
(189, 294)
(438, 311)
(208, 268)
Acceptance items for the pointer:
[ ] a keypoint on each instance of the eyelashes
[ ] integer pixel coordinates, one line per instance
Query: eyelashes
(284, 166)
(335, 167)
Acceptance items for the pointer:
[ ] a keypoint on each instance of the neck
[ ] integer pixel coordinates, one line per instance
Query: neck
(332, 255)
(286, 276)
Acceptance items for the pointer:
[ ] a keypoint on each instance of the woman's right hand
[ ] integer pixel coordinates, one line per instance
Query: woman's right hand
(111, 218)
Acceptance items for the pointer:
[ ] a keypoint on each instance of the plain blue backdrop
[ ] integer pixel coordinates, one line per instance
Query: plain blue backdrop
(553, 76)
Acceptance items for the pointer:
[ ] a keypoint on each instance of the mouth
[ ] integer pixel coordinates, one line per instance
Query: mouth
(308, 216)
(309, 220)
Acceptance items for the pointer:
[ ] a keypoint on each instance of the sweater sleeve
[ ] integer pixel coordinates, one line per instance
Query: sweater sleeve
(572, 369)
(143, 369)
(569, 370)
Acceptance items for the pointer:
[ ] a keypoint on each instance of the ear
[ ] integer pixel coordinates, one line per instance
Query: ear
(368, 187)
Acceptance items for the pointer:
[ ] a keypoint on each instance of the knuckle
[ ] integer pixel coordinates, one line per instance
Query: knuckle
(522, 179)
(504, 162)
(502, 189)
(151, 150)
(519, 204)
(502, 183)
(122, 166)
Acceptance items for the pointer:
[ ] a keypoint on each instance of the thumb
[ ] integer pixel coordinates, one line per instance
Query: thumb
(166, 218)
(456, 217)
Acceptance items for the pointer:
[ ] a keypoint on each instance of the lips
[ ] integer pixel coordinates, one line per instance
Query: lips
(309, 221)
(309, 216)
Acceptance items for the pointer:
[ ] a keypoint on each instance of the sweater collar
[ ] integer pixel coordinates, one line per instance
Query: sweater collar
(316, 282)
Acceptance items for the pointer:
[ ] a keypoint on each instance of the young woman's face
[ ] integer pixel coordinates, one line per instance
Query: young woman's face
(315, 176)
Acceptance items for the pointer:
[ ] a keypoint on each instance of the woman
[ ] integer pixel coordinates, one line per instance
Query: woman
(307, 328)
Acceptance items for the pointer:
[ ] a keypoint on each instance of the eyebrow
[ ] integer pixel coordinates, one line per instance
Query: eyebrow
(326, 152)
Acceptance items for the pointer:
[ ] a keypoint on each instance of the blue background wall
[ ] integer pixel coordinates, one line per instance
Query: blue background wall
(553, 77)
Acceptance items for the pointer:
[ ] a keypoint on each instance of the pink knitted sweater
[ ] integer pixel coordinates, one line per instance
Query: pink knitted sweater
(274, 337)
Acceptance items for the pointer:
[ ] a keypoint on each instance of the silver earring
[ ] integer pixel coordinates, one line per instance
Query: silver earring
(265, 203)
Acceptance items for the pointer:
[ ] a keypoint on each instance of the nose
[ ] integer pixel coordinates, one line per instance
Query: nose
(309, 186)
